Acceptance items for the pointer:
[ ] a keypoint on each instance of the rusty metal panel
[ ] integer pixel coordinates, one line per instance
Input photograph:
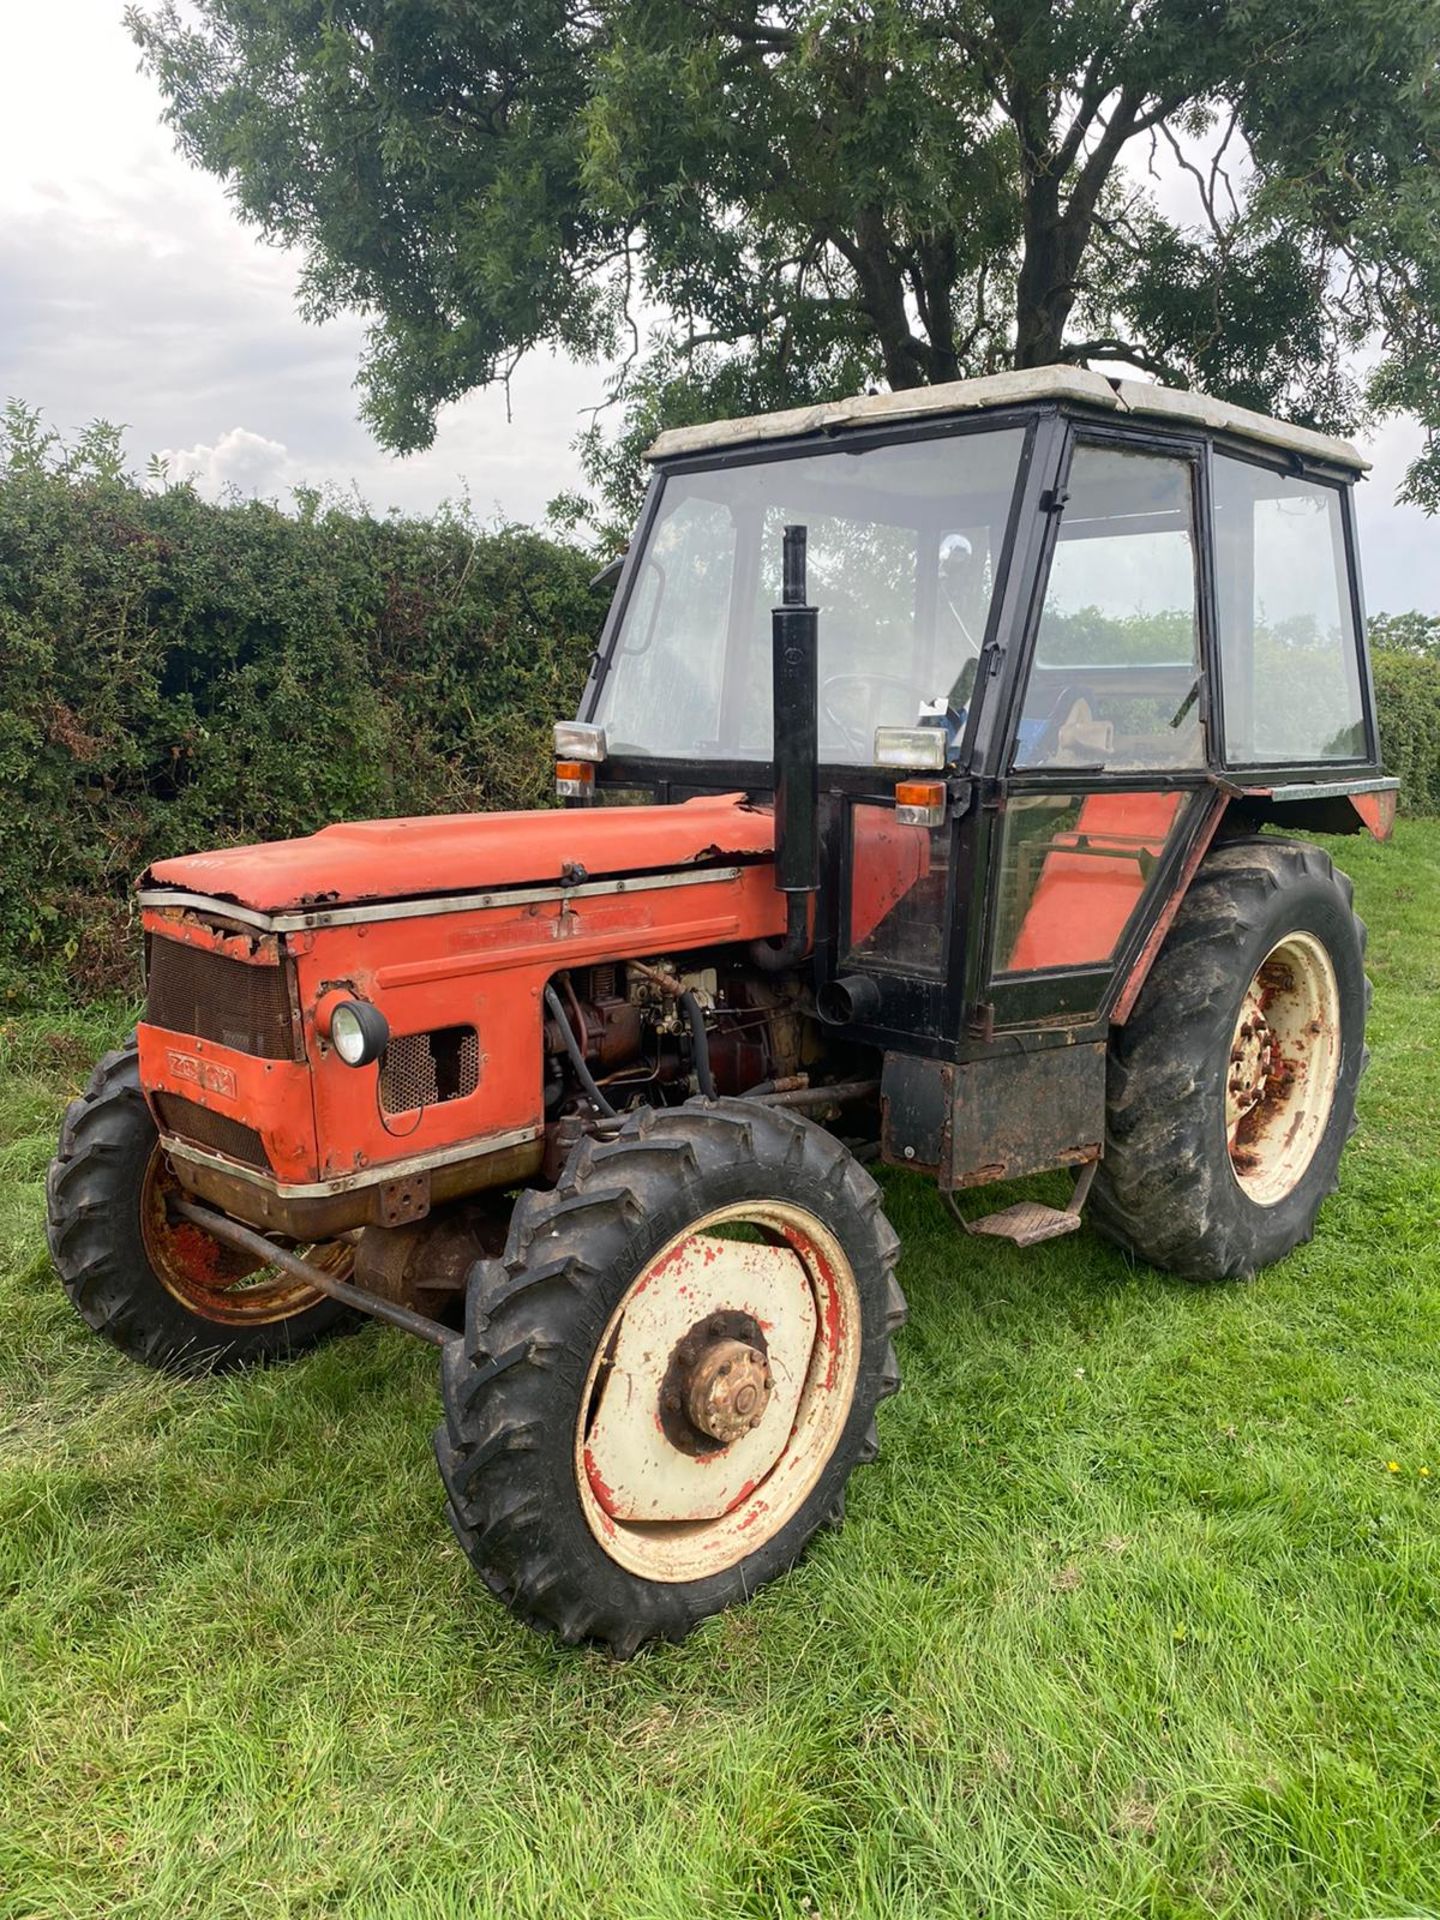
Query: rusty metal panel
(916, 1098)
(1015, 1114)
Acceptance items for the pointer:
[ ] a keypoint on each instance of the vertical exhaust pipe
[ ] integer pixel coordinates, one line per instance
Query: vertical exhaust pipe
(794, 655)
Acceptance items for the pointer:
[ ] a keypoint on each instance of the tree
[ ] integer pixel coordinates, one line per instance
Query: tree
(1416, 633)
(815, 195)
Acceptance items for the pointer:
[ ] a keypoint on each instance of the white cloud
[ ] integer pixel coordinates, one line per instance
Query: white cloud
(239, 459)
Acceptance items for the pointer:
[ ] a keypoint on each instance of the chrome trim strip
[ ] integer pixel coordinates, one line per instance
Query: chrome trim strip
(421, 909)
(369, 1177)
(1332, 789)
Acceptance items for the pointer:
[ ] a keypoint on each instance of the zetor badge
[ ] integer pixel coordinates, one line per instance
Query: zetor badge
(970, 726)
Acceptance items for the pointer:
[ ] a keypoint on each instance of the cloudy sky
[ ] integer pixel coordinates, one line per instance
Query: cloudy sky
(128, 291)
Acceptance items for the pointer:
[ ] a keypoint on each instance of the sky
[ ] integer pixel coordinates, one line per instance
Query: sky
(129, 292)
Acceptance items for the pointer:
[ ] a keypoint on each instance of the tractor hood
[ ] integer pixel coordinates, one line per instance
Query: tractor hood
(371, 860)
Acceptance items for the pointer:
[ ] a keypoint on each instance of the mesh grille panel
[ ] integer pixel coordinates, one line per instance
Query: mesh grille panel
(426, 1069)
(217, 1131)
(191, 990)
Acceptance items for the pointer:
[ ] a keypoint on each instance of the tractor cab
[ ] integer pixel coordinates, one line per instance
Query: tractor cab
(1065, 624)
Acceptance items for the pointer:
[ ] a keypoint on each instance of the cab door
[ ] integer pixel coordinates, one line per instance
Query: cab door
(1106, 777)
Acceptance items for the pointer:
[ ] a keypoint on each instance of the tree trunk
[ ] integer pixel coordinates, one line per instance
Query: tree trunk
(1056, 236)
(882, 298)
(1045, 290)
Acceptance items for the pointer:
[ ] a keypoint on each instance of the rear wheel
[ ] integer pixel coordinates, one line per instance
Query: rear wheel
(1232, 1087)
(161, 1290)
(664, 1386)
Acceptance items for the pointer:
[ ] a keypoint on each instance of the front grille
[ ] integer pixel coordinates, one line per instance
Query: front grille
(205, 1128)
(426, 1069)
(192, 990)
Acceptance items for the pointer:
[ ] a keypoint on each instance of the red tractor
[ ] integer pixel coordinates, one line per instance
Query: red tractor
(967, 867)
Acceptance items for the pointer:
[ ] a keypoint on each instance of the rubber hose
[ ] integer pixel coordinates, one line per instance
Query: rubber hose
(577, 1058)
(699, 1043)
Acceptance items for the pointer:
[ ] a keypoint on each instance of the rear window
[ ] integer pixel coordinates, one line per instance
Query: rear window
(1289, 652)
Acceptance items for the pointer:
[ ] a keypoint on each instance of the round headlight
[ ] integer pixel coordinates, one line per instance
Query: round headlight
(359, 1032)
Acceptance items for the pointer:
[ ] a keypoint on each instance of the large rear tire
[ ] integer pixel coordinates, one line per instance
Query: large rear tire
(165, 1293)
(663, 1387)
(1231, 1089)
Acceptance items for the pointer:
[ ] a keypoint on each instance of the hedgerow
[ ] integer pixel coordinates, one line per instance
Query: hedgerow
(1407, 701)
(176, 673)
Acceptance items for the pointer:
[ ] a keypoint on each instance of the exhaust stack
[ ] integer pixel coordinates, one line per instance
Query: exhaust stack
(794, 653)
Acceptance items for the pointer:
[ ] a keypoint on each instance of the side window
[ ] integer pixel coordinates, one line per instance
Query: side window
(1289, 662)
(1115, 682)
(664, 694)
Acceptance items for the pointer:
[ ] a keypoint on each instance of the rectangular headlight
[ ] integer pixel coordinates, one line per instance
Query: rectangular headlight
(910, 747)
(578, 740)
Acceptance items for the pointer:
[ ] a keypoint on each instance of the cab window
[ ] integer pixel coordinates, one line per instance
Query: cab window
(1115, 680)
(1289, 658)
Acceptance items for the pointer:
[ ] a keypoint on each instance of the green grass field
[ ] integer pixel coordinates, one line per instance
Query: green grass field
(1139, 1614)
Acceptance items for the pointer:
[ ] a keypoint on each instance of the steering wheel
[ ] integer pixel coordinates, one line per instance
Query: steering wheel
(835, 681)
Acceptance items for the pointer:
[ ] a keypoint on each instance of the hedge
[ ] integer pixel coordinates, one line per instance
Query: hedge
(176, 674)
(1407, 703)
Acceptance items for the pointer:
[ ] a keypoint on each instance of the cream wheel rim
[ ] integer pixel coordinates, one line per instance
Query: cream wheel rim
(719, 1392)
(1283, 1068)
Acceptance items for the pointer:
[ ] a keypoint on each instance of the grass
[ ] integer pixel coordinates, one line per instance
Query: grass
(1139, 1615)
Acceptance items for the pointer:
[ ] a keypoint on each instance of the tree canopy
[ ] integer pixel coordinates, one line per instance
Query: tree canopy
(806, 197)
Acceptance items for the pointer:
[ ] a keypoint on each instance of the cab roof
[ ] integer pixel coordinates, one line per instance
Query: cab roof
(1177, 405)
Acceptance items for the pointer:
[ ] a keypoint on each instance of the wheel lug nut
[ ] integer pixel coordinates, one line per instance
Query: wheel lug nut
(672, 1402)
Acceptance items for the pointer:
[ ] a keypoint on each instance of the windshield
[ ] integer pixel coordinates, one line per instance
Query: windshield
(904, 544)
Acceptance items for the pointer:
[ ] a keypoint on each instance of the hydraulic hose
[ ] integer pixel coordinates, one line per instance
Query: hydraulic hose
(577, 1057)
(699, 1044)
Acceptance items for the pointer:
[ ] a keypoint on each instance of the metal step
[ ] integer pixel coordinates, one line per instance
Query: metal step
(1029, 1222)
(1026, 1223)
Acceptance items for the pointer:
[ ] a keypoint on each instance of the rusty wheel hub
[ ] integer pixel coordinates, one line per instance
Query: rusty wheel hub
(729, 1390)
(718, 1383)
(1252, 1056)
(1283, 1067)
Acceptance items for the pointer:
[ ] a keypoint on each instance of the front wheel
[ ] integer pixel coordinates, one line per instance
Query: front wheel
(664, 1386)
(1232, 1087)
(163, 1291)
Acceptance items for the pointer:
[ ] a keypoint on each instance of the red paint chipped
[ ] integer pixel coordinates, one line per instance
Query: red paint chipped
(602, 1493)
(814, 1258)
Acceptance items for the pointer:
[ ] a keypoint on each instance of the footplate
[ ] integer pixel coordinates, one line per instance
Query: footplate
(1029, 1222)
(1026, 1223)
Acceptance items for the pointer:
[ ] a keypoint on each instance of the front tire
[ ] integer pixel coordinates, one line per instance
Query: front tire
(1231, 1089)
(165, 1294)
(663, 1387)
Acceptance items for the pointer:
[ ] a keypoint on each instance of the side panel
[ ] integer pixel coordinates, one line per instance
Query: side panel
(996, 1118)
